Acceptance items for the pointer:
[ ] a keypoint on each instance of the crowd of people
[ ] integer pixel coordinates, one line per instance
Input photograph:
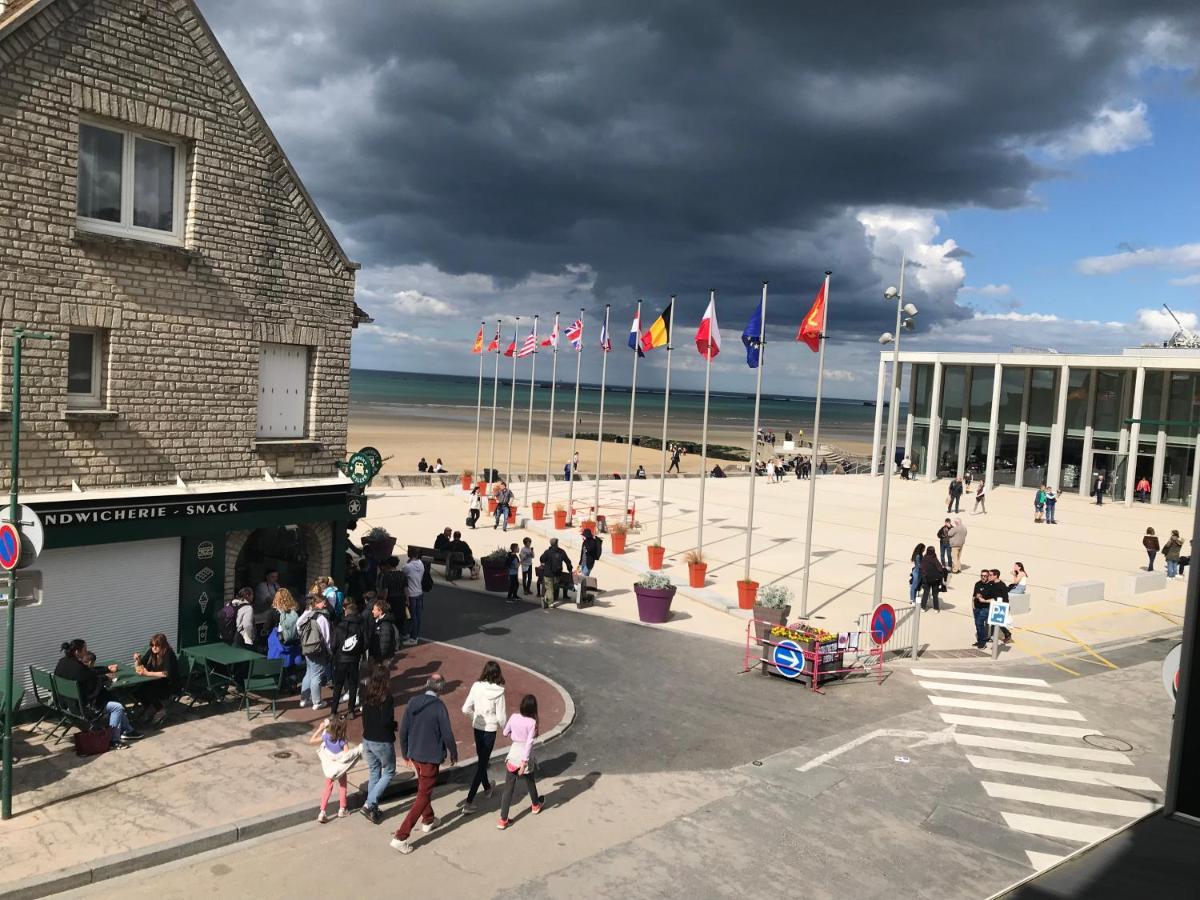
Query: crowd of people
(1171, 550)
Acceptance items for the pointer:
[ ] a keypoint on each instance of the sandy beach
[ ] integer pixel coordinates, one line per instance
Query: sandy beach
(408, 437)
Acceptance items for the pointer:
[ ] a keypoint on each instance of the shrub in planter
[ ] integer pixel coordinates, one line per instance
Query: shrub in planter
(654, 593)
(495, 574)
(655, 553)
(747, 591)
(619, 532)
(697, 568)
(771, 608)
(560, 516)
(378, 544)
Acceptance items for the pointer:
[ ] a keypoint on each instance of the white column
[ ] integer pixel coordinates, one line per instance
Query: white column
(1135, 433)
(1160, 445)
(881, 386)
(1058, 431)
(1089, 429)
(963, 422)
(935, 423)
(910, 420)
(1023, 433)
(894, 416)
(993, 427)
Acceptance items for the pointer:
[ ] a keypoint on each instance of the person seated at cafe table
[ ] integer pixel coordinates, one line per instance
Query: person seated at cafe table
(93, 690)
(161, 664)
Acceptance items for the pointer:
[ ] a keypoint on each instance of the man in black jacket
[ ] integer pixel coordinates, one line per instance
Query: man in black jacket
(556, 567)
(955, 493)
(383, 639)
(348, 643)
(425, 742)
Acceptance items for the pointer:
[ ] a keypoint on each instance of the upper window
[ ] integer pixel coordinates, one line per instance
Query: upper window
(85, 369)
(129, 184)
(282, 391)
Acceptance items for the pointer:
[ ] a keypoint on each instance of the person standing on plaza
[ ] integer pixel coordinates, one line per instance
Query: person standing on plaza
(1099, 486)
(383, 640)
(954, 495)
(914, 575)
(485, 706)
(589, 552)
(522, 728)
(1142, 491)
(1051, 505)
(943, 536)
(555, 566)
(526, 555)
(675, 455)
(980, 500)
(932, 576)
(1150, 544)
(997, 590)
(414, 589)
(348, 642)
(979, 608)
(314, 631)
(1170, 552)
(265, 592)
(1039, 503)
(512, 567)
(379, 737)
(474, 507)
(243, 603)
(426, 740)
(957, 536)
(504, 498)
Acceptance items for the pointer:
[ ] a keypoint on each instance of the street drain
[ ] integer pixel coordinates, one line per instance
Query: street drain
(283, 754)
(1104, 742)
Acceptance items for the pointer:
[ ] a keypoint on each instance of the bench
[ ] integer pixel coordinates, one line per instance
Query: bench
(452, 563)
(1144, 582)
(1074, 592)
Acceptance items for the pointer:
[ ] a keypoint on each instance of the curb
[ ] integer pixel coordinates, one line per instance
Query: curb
(118, 864)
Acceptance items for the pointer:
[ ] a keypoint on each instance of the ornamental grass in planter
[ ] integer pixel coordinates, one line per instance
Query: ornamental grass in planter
(560, 517)
(697, 568)
(620, 533)
(654, 592)
(539, 510)
(378, 544)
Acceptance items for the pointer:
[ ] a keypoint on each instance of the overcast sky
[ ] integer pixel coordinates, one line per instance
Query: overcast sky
(1036, 161)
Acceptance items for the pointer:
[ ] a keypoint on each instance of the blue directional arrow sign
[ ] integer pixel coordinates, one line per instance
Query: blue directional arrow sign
(788, 658)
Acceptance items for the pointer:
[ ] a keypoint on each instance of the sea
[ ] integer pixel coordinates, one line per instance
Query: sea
(453, 398)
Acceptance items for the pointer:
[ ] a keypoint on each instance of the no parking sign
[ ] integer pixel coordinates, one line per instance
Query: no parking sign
(883, 623)
(10, 546)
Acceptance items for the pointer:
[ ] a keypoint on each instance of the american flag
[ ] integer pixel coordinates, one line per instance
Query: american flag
(575, 334)
(529, 347)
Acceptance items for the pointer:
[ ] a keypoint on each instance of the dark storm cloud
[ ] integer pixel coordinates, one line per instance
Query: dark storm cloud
(673, 147)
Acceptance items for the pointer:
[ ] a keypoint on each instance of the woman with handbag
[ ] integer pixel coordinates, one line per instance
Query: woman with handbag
(522, 728)
(78, 665)
(337, 759)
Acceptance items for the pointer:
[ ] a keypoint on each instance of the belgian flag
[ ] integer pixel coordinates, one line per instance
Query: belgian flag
(659, 333)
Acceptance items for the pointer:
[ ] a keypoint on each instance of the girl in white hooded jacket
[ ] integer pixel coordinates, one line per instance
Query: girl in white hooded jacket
(485, 706)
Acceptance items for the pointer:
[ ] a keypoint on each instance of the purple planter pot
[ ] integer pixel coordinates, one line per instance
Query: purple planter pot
(495, 579)
(654, 604)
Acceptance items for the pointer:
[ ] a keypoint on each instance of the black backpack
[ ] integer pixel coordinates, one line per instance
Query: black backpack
(426, 578)
(597, 547)
(227, 623)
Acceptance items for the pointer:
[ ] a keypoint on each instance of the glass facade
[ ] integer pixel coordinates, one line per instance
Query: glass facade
(981, 397)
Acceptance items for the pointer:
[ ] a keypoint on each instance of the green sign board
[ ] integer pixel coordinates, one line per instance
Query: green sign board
(201, 586)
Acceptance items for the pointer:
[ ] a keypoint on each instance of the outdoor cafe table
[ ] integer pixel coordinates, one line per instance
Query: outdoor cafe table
(221, 656)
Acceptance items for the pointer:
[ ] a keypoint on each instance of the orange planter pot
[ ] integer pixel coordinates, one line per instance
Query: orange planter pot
(656, 557)
(588, 525)
(482, 485)
(466, 482)
(512, 515)
(539, 510)
(696, 573)
(747, 593)
(560, 518)
(618, 543)
(491, 505)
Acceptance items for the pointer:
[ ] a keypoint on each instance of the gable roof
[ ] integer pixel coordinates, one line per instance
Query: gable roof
(16, 13)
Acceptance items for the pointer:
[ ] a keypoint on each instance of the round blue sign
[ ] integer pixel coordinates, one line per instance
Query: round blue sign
(788, 658)
(883, 623)
(10, 546)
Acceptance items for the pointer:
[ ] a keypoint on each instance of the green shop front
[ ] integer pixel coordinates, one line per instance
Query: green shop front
(118, 568)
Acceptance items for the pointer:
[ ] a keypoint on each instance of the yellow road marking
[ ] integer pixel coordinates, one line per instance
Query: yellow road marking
(1087, 647)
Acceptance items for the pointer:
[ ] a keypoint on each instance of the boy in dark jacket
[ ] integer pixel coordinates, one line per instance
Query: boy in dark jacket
(348, 643)
(384, 638)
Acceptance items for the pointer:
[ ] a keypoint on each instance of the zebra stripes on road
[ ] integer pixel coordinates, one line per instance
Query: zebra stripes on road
(1035, 805)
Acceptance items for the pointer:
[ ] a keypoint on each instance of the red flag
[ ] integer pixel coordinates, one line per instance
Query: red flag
(494, 345)
(814, 323)
(512, 348)
(477, 347)
(708, 335)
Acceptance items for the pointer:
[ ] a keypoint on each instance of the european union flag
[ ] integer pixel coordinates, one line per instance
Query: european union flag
(753, 337)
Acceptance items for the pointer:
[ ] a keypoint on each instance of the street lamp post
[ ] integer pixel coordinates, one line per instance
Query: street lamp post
(904, 322)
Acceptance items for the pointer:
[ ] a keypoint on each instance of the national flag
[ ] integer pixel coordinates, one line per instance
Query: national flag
(512, 348)
(529, 347)
(708, 335)
(575, 334)
(495, 343)
(753, 338)
(552, 339)
(635, 342)
(813, 325)
(477, 347)
(659, 331)
(605, 343)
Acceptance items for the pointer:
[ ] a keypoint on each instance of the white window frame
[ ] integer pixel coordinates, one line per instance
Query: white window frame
(94, 399)
(126, 228)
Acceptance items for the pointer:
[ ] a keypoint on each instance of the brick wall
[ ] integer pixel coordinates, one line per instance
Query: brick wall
(183, 324)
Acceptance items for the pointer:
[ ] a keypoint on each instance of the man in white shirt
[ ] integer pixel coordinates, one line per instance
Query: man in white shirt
(413, 572)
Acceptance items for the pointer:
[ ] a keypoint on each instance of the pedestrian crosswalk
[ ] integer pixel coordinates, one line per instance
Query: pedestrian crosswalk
(1046, 782)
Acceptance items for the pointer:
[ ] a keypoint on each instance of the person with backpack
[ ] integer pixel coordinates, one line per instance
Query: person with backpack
(590, 552)
(485, 706)
(384, 638)
(522, 728)
(555, 564)
(512, 565)
(283, 637)
(227, 621)
(348, 644)
(313, 627)
(244, 604)
(416, 577)
(1039, 503)
(333, 594)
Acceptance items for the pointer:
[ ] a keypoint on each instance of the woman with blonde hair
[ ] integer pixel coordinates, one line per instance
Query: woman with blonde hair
(283, 637)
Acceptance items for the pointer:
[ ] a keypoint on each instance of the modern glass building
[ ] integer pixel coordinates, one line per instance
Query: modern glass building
(1026, 418)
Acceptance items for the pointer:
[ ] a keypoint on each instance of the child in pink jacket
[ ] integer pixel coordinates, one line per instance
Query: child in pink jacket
(522, 728)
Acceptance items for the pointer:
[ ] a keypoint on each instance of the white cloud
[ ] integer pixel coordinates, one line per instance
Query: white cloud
(414, 303)
(1018, 317)
(1183, 256)
(895, 230)
(988, 290)
(1157, 323)
(1186, 281)
(1110, 131)
(841, 375)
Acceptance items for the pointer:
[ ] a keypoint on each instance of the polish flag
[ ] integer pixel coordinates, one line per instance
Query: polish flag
(708, 335)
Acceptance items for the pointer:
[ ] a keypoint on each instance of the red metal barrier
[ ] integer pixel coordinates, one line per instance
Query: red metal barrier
(815, 661)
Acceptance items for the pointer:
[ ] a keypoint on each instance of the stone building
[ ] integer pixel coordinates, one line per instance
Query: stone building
(180, 430)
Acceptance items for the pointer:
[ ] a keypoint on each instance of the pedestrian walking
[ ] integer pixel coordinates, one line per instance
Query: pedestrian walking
(556, 568)
(914, 575)
(379, 737)
(485, 706)
(957, 536)
(512, 565)
(314, 630)
(522, 729)
(1150, 543)
(425, 742)
(337, 759)
(906, 469)
(589, 552)
(1051, 505)
(980, 500)
(770, 471)
(526, 555)
(944, 544)
(504, 498)
(675, 456)
(954, 495)
(415, 580)
(1170, 551)
(474, 507)
(349, 643)
(1039, 503)
(933, 579)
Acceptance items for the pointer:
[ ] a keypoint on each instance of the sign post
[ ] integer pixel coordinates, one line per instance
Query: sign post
(19, 336)
(998, 618)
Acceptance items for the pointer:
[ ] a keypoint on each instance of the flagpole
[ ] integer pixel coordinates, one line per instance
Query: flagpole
(712, 298)
(600, 424)
(495, 392)
(762, 347)
(512, 401)
(574, 429)
(553, 388)
(529, 428)
(816, 439)
(662, 475)
(479, 398)
(632, 404)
